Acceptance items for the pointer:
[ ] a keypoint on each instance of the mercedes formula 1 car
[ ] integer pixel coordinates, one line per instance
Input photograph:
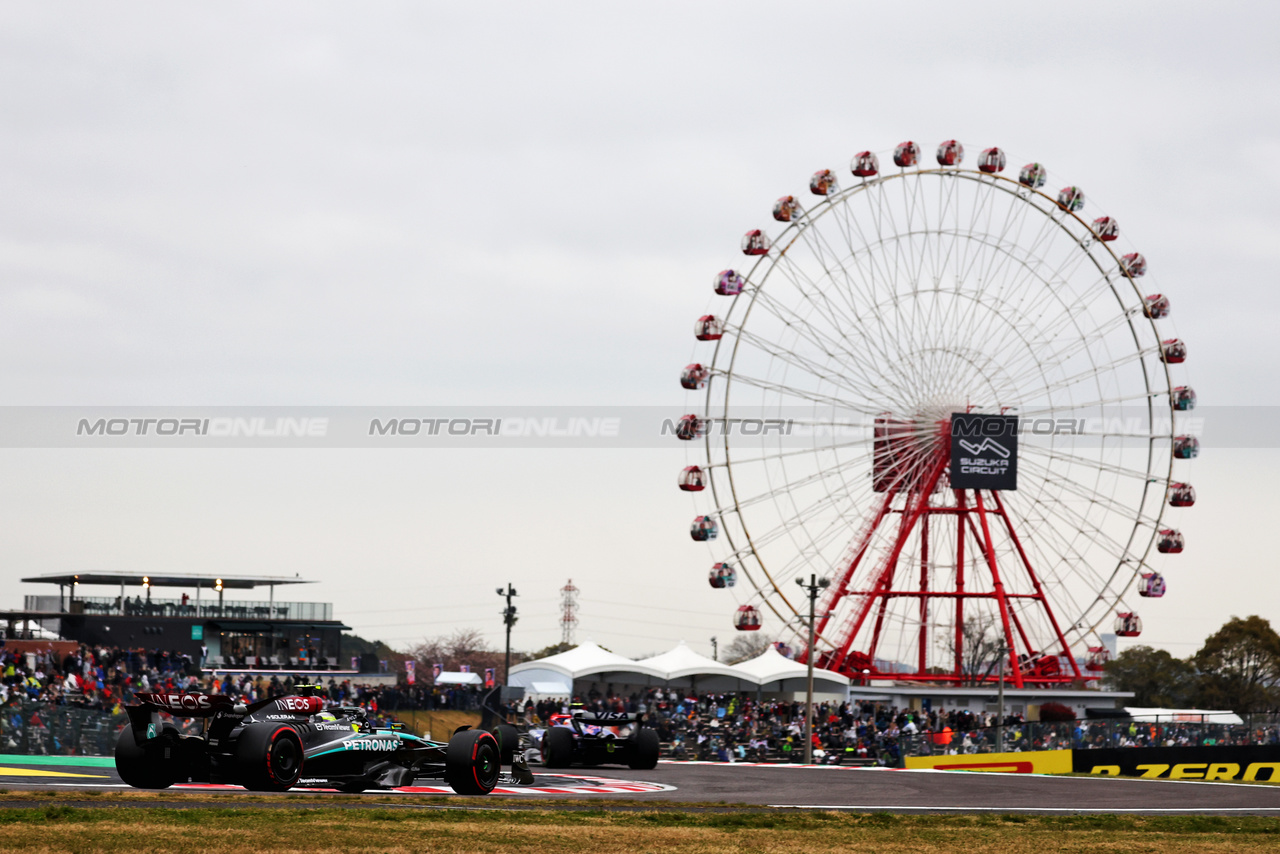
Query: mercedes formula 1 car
(589, 738)
(286, 742)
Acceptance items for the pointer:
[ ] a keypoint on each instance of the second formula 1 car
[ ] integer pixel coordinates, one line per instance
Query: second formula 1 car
(286, 742)
(590, 738)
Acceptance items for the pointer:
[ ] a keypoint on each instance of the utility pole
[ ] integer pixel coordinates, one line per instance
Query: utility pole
(715, 650)
(815, 584)
(508, 619)
(1004, 652)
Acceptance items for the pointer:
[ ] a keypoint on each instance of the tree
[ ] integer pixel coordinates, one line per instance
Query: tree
(1240, 667)
(464, 646)
(745, 646)
(354, 645)
(548, 651)
(1155, 677)
(1052, 711)
(981, 644)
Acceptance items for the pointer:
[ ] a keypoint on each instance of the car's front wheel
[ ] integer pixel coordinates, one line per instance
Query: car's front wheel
(508, 741)
(472, 762)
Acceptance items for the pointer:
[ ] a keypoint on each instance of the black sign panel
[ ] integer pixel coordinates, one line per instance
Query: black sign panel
(984, 451)
(1255, 763)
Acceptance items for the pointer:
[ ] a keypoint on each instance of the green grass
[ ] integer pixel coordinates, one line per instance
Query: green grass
(429, 825)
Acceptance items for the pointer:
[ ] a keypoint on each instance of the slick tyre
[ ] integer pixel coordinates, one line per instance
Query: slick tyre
(472, 762)
(144, 766)
(644, 753)
(508, 741)
(269, 757)
(557, 747)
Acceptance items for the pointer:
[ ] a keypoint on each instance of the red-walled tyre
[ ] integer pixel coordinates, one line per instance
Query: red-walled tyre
(472, 762)
(270, 757)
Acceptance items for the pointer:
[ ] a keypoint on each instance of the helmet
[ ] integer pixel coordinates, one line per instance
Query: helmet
(325, 716)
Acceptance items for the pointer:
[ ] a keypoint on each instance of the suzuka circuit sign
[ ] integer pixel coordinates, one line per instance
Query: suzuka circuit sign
(984, 451)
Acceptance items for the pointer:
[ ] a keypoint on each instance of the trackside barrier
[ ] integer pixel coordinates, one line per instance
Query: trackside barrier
(1255, 763)
(1030, 762)
(1092, 735)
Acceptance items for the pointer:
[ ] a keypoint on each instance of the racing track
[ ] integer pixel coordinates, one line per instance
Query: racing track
(759, 787)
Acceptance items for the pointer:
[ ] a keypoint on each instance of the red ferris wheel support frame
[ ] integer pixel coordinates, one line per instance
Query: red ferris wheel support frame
(975, 513)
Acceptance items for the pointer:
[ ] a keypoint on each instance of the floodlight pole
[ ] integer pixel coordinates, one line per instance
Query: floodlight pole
(815, 584)
(508, 619)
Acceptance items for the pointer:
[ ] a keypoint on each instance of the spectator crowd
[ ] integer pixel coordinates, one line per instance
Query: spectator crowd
(737, 727)
(43, 692)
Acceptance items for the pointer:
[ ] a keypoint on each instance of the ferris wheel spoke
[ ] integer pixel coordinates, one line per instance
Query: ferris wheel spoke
(1055, 543)
(763, 496)
(788, 524)
(817, 296)
(1101, 465)
(796, 452)
(878, 278)
(1091, 495)
(809, 366)
(844, 358)
(786, 391)
(1102, 586)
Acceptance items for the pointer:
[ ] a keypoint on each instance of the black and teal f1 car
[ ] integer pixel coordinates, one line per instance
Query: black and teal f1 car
(287, 742)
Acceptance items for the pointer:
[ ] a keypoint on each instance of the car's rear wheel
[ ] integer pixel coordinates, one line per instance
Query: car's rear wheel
(557, 747)
(508, 741)
(644, 749)
(145, 766)
(472, 762)
(270, 758)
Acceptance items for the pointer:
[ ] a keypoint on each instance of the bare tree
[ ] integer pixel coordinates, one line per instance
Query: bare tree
(464, 646)
(981, 645)
(745, 646)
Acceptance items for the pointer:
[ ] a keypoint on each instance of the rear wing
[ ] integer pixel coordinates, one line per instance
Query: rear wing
(185, 705)
(145, 716)
(608, 718)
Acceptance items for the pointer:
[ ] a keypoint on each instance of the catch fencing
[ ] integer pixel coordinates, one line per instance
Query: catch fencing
(36, 729)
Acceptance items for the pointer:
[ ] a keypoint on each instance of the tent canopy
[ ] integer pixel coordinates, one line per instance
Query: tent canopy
(771, 666)
(586, 659)
(451, 678)
(682, 661)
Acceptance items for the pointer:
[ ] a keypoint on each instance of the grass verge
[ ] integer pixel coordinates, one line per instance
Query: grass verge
(412, 827)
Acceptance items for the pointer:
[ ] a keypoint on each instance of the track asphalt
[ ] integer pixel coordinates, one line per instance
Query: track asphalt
(716, 785)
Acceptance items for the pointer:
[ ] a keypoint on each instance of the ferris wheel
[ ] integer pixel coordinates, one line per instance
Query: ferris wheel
(894, 338)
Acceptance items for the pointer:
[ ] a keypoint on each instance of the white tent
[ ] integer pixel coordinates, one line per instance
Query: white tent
(682, 667)
(449, 677)
(555, 674)
(1171, 716)
(775, 672)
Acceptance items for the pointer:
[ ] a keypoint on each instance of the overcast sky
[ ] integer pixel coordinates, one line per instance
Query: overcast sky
(523, 204)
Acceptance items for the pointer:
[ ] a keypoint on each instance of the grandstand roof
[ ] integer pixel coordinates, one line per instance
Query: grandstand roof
(168, 579)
